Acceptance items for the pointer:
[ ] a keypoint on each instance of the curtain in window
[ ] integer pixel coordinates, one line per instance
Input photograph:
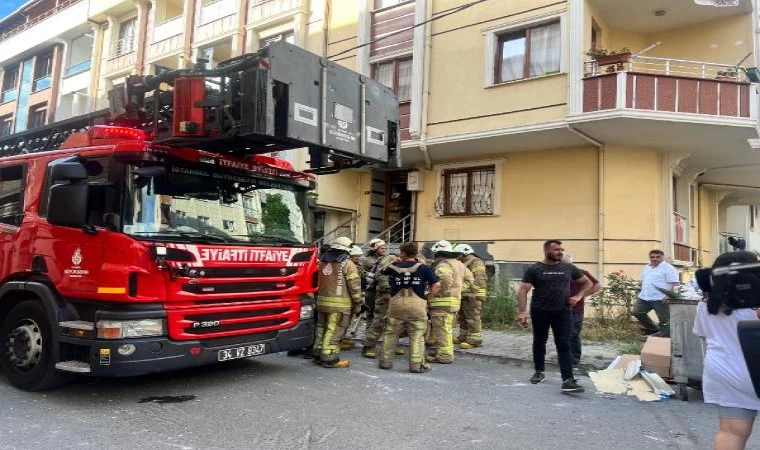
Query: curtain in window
(457, 193)
(513, 58)
(384, 74)
(404, 80)
(481, 199)
(545, 47)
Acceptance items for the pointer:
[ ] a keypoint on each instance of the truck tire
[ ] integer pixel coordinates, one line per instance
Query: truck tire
(27, 348)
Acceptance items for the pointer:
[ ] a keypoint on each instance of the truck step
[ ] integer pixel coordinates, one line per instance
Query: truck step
(73, 366)
(77, 325)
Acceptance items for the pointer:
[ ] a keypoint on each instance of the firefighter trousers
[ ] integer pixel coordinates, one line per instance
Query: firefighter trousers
(375, 330)
(441, 325)
(406, 313)
(470, 323)
(331, 327)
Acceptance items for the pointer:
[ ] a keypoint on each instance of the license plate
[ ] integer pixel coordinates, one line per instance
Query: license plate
(241, 352)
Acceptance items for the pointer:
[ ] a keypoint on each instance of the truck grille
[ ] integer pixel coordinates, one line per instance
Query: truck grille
(232, 320)
(235, 288)
(247, 272)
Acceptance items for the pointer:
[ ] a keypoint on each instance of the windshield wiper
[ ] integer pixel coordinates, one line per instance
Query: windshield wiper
(186, 235)
(274, 239)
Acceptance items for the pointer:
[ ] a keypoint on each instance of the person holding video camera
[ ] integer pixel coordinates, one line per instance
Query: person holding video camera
(726, 381)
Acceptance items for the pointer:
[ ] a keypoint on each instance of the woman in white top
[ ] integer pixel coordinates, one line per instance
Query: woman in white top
(726, 381)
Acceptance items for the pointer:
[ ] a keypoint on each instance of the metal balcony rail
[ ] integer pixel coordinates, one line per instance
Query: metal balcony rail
(62, 4)
(398, 233)
(670, 67)
(78, 68)
(123, 46)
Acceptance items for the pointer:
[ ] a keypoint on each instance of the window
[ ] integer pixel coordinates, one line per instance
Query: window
(287, 36)
(10, 85)
(6, 125)
(596, 35)
(379, 4)
(467, 192)
(37, 116)
(43, 67)
(228, 225)
(397, 75)
(204, 220)
(11, 194)
(126, 42)
(528, 53)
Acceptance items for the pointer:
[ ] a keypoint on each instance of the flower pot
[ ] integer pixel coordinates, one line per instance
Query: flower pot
(607, 60)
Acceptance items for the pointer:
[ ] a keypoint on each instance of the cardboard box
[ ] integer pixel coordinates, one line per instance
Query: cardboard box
(655, 356)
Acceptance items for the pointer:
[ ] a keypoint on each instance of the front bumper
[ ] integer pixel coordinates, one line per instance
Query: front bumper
(161, 354)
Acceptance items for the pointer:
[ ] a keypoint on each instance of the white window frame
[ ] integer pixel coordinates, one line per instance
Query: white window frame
(492, 42)
(497, 184)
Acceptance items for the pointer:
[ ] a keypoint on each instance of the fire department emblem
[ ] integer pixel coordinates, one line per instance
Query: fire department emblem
(76, 259)
(328, 270)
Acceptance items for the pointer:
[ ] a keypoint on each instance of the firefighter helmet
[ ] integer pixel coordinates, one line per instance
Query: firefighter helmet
(464, 249)
(342, 243)
(356, 251)
(375, 243)
(442, 246)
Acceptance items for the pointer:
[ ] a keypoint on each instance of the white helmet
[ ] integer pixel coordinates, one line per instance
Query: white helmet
(442, 246)
(464, 249)
(375, 243)
(342, 243)
(356, 251)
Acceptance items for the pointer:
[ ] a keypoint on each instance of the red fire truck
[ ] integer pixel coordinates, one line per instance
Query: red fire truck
(159, 235)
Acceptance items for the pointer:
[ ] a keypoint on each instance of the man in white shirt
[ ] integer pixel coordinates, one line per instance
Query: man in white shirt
(657, 274)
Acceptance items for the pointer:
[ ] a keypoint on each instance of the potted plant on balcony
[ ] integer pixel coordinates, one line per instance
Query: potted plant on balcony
(605, 57)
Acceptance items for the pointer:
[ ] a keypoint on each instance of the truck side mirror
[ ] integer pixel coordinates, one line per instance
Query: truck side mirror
(67, 206)
(68, 171)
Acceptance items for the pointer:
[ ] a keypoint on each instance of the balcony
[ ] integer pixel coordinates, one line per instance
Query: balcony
(41, 83)
(261, 10)
(122, 55)
(217, 20)
(666, 85)
(9, 95)
(168, 38)
(75, 69)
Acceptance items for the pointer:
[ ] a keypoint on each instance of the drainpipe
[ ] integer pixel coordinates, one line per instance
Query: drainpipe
(426, 91)
(600, 237)
(325, 26)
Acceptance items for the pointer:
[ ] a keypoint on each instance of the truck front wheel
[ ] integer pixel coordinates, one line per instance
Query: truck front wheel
(28, 348)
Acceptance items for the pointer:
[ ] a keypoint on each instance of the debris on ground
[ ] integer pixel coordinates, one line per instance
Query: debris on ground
(627, 376)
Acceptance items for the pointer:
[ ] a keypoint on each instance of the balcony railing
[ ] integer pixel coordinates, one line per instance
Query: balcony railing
(41, 83)
(83, 66)
(264, 9)
(62, 4)
(669, 85)
(170, 28)
(217, 10)
(9, 95)
(123, 46)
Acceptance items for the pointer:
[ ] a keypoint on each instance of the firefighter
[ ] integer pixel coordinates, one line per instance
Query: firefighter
(347, 343)
(407, 310)
(454, 278)
(377, 249)
(470, 325)
(339, 295)
(380, 284)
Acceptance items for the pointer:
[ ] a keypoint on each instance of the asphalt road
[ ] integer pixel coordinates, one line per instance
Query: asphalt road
(283, 402)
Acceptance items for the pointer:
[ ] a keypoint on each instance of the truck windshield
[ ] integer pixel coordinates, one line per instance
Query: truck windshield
(200, 205)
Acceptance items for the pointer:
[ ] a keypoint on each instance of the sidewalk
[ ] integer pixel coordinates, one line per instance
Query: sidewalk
(513, 348)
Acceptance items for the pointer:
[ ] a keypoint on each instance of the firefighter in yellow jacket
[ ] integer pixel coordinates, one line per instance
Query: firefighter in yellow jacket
(470, 325)
(454, 278)
(338, 297)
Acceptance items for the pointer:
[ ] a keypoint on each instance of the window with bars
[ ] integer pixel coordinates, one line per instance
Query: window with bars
(126, 42)
(467, 192)
(528, 53)
(397, 75)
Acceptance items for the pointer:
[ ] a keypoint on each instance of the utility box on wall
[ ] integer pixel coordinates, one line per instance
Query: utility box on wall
(414, 181)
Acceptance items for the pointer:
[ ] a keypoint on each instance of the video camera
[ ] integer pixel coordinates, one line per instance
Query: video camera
(736, 286)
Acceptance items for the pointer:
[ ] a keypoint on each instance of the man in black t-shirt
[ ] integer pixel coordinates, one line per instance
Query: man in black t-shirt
(551, 308)
(409, 281)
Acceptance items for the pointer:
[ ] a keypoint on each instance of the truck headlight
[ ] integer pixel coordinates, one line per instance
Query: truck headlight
(118, 329)
(307, 312)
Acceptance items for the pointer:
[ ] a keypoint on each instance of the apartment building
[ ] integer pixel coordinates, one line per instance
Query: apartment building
(512, 133)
